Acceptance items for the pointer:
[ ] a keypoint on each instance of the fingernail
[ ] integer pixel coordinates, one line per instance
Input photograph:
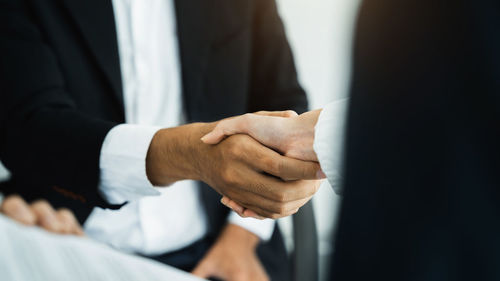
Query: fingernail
(204, 138)
(223, 200)
(320, 175)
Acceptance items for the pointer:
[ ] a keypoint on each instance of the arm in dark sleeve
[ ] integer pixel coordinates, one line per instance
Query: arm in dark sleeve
(274, 77)
(44, 140)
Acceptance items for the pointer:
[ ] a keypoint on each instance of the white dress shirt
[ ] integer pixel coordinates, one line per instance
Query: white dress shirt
(156, 220)
(329, 141)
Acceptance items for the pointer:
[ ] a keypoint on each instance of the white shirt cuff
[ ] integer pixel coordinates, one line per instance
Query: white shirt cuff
(123, 164)
(262, 228)
(329, 141)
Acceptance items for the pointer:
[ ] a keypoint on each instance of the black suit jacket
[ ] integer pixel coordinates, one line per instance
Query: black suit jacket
(422, 187)
(61, 90)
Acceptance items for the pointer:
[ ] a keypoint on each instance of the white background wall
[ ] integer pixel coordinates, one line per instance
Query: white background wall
(320, 32)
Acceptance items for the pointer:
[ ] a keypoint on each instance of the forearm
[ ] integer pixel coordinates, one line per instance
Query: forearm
(237, 235)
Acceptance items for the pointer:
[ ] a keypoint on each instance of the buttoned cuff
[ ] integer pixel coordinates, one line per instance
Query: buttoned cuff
(262, 228)
(329, 141)
(123, 164)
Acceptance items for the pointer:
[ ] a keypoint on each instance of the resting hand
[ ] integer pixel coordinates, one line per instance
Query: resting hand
(292, 136)
(233, 257)
(42, 214)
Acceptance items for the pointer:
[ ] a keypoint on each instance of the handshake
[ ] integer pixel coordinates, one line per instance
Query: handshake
(263, 164)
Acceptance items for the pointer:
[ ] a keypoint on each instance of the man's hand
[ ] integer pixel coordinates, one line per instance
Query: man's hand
(291, 135)
(254, 176)
(233, 258)
(42, 214)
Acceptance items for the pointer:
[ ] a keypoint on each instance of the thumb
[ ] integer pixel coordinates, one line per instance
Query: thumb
(226, 128)
(285, 114)
(214, 137)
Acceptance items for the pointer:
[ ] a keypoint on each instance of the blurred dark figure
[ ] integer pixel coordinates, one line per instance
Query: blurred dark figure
(422, 190)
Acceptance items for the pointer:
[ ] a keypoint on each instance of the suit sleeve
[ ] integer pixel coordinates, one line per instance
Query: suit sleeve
(44, 139)
(274, 77)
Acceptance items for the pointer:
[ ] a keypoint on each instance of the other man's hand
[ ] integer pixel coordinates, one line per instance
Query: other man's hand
(291, 135)
(41, 213)
(233, 258)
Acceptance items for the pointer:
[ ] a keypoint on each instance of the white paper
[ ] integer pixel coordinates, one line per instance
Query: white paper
(32, 254)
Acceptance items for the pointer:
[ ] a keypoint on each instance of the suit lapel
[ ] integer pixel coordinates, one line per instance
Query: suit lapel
(194, 26)
(95, 20)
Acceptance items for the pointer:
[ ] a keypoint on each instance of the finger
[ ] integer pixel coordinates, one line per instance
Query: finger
(17, 209)
(241, 211)
(69, 223)
(284, 210)
(241, 125)
(226, 128)
(257, 212)
(286, 168)
(268, 208)
(46, 216)
(286, 113)
(232, 205)
(268, 191)
(293, 169)
(247, 198)
(251, 214)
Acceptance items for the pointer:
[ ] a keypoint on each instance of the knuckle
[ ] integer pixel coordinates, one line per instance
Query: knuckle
(228, 176)
(312, 188)
(246, 116)
(279, 209)
(271, 165)
(279, 197)
(12, 203)
(308, 170)
(282, 209)
(41, 205)
(65, 213)
(275, 216)
(234, 149)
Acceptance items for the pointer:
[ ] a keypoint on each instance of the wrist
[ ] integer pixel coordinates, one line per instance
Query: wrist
(300, 140)
(173, 154)
(236, 235)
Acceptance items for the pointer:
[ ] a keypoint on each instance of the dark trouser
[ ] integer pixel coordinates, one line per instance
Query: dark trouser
(272, 256)
(186, 258)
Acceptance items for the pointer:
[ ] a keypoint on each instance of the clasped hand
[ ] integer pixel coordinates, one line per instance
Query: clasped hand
(289, 156)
